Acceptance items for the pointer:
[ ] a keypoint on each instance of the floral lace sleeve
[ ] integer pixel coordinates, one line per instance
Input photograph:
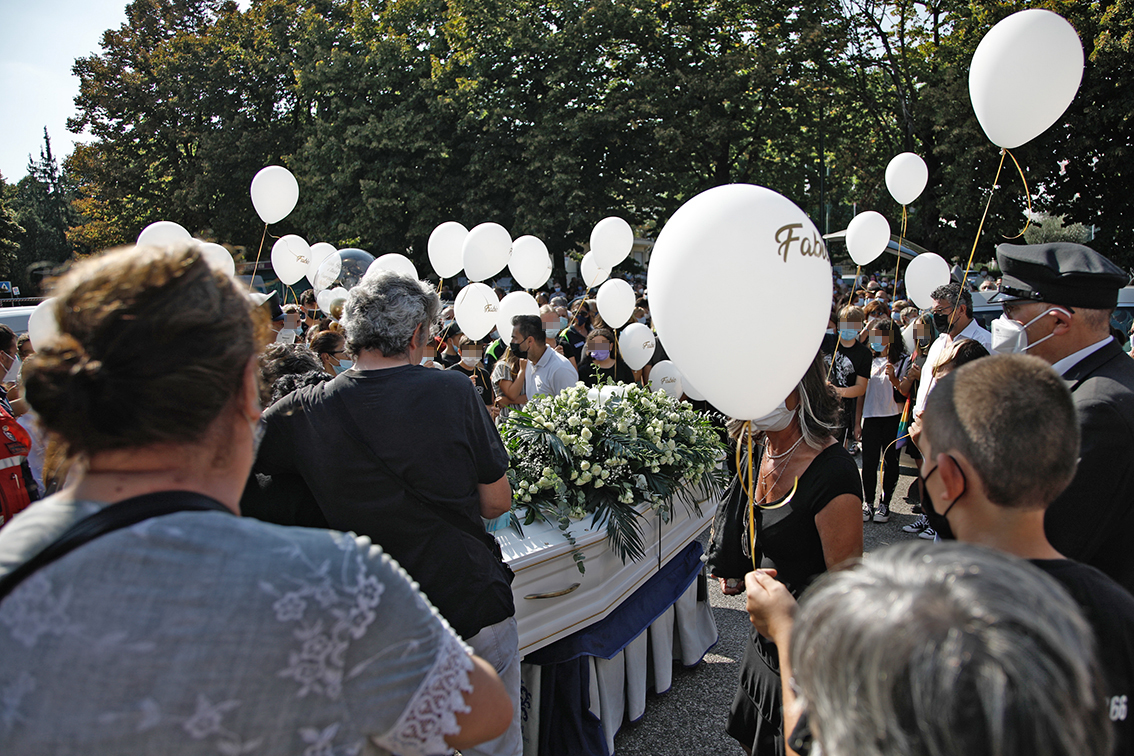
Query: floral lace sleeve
(431, 713)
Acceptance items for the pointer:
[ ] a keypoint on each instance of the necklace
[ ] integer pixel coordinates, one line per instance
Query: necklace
(783, 454)
(780, 474)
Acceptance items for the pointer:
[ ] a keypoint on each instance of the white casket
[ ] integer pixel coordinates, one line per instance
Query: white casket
(554, 600)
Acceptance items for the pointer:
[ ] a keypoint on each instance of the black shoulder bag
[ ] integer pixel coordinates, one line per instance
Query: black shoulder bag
(116, 516)
(460, 523)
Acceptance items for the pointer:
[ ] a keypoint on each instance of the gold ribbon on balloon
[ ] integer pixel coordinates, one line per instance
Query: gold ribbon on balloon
(901, 238)
(750, 491)
(1003, 152)
(252, 277)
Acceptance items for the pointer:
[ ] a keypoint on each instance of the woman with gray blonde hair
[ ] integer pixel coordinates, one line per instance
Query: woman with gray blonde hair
(792, 508)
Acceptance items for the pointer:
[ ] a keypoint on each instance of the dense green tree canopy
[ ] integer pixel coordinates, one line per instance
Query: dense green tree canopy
(396, 115)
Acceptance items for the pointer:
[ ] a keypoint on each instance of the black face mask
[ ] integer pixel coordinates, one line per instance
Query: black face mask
(521, 353)
(939, 522)
(941, 321)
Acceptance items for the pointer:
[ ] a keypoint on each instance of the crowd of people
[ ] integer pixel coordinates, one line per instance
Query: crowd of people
(359, 603)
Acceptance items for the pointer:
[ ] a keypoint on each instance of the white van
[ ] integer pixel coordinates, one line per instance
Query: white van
(16, 318)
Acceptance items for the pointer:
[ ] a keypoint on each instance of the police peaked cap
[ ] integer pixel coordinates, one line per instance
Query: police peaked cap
(1060, 273)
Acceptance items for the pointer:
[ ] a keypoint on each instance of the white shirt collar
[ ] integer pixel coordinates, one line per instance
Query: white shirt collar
(1062, 366)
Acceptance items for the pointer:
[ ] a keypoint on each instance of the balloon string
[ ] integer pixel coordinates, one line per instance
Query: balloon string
(965, 275)
(252, 278)
(293, 294)
(882, 464)
(751, 491)
(901, 238)
(1027, 196)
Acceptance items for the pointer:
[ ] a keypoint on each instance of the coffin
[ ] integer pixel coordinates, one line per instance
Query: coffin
(554, 600)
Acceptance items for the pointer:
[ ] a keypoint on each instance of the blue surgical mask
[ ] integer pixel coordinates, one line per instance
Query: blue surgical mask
(551, 332)
(343, 365)
(878, 346)
(563, 322)
(848, 334)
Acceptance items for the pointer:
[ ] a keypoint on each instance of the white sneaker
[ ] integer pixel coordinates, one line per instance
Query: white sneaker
(882, 514)
(929, 534)
(867, 512)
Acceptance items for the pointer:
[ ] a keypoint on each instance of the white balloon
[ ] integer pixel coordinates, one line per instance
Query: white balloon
(446, 243)
(290, 257)
(218, 257)
(724, 270)
(616, 302)
(475, 310)
(275, 193)
(516, 303)
(1024, 74)
(161, 233)
(530, 265)
(327, 297)
(320, 251)
(486, 251)
(925, 273)
(636, 345)
(593, 274)
(611, 241)
(43, 328)
(345, 268)
(396, 262)
(690, 392)
(906, 177)
(665, 376)
(867, 237)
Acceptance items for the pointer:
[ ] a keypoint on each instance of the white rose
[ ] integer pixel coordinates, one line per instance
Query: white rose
(584, 465)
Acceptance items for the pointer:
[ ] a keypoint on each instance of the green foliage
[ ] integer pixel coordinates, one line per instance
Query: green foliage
(616, 458)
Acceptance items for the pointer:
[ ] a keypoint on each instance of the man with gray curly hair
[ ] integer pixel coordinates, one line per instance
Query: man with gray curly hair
(409, 457)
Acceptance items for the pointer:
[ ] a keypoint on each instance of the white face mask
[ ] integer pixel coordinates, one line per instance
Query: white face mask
(286, 336)
(13, 373)
(774, 421)
(468, 360)
(1009, 337)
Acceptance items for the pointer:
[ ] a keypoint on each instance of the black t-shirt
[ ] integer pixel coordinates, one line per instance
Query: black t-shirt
(573, 343)
(787, 536)
(1109, 610)
(480, 381)
(593, 374)
(447, 360)
(850, 363)
(432, 429)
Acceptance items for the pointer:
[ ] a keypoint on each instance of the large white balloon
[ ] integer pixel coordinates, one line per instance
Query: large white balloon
(290, 257)
(593, 274)
(616, 302)
(446, 243)
(516, 303)
(219, 257)
(530, 265)
(925, 273)
(867, 237)
(274, 193)
(319, 252)
(1024, 74)
(486, 251)
(665, 376)
(611, 241)
(396, 262)
(724, 271)
(43, 328)
(636, 345)
(906, 177)
(475, 310)
(161, 233)
(690, 392)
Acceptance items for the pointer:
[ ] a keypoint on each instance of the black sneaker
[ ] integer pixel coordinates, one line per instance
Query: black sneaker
(917, 525)
(882, 514)
(867, 512)
(929, 534)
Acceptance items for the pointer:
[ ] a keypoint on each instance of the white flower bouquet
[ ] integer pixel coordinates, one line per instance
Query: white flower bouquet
(574, 454)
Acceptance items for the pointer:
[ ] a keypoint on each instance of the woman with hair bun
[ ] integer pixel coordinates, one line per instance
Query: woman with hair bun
(200, 630)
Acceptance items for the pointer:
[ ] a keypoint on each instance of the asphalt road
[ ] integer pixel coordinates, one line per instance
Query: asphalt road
(689, 719)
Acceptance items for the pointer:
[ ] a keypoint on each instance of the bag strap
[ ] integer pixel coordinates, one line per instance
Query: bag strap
(113, 517)
(449, 516)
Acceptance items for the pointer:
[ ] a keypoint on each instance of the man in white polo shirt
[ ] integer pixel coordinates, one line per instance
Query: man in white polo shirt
(953, 317)
(548, 371)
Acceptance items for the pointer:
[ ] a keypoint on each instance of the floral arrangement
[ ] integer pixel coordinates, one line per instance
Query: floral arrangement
(604, 452)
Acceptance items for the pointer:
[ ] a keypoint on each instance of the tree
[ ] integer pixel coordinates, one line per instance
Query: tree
(10, 233)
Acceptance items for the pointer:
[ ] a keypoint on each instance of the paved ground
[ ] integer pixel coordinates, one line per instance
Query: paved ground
(690, 718)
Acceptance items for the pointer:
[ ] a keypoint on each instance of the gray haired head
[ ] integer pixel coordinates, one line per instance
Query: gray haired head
(937, 649)
(384, 309)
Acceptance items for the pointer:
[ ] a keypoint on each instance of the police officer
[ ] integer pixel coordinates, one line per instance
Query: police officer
(1058, 299)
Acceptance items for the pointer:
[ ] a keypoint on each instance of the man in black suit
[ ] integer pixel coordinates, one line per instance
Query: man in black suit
(1058, 299)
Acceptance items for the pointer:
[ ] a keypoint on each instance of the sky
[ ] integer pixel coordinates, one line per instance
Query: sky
(39, 41)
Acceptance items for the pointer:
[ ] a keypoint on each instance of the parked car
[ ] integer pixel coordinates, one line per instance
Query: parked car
(16, 318)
